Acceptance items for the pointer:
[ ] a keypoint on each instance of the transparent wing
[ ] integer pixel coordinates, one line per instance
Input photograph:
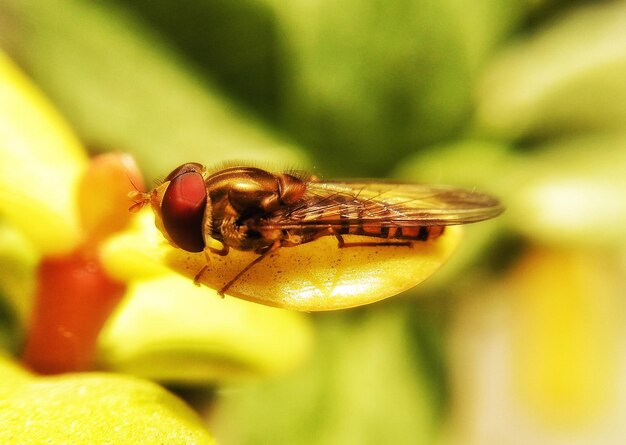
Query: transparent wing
(386, 204)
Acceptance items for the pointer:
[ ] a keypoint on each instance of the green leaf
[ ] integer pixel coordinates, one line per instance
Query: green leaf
(365, 386)
(561, 193)
(123, 88)
(571, 192)
(18, 261)
(367, 82)
(566, 78)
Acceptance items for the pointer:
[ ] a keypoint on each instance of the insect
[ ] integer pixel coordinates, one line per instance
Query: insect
(247, 208)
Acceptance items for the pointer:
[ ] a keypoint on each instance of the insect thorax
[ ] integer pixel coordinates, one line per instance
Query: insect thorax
(240, 199)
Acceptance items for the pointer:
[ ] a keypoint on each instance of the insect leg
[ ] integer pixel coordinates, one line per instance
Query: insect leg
(221, 252)
(277, 244)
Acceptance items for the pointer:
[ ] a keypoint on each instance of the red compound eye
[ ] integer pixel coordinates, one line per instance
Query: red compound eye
(182, 208)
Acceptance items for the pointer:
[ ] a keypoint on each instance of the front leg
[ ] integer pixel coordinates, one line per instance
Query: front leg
(274, 247)
(221, 252)
(207, 251)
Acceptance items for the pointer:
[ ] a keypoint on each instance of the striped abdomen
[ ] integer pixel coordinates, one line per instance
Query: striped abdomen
(350, 216)
(413, 233)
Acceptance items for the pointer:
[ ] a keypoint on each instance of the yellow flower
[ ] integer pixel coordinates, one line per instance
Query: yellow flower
(59, 207)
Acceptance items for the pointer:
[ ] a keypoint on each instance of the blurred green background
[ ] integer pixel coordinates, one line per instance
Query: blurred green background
(521, 337)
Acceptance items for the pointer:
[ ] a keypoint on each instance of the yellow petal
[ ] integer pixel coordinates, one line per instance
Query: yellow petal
(40, 163)
(173, 331)
(103, 194)
(317, 276)
(90, 409)
(567, 308)
(136, 253)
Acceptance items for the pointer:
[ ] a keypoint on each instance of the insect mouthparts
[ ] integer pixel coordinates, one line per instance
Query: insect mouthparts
(140, 199)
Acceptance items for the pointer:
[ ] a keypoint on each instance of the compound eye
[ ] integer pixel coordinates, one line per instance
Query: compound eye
(182, 208)
(185, 168)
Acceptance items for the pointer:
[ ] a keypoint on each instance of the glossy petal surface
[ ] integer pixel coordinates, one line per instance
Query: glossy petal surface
(314, 277)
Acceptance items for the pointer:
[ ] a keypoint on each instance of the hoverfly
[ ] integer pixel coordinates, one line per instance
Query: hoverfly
(247, 208)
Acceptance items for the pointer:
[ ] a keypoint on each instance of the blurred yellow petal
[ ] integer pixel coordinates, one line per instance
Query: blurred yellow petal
(539, 356)
(12, 376)
(40, 163)
(103, 194)
(564, 334)
(317, 276)
(173, 331)
(136, 253)
(91, 409)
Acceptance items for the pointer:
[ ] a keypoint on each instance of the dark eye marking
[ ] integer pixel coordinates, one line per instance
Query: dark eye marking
(185, 168)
